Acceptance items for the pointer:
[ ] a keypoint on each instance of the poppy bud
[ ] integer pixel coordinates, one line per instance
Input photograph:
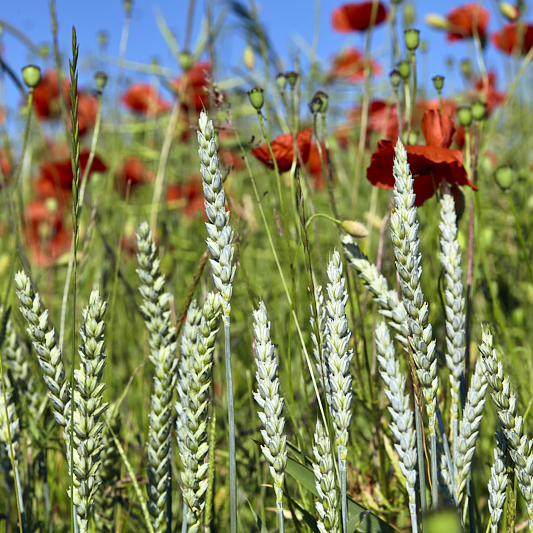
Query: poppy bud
(44, 51)
(256, 98)
(437, 21)
(438, 82)
(408, 14)
(100, 79)
(404, 67)
(292, 77)
(128, 4)
(325, 101)
(51, 204)
(395, 78)
(354, 228)
(31, 76)
(424, 46)
(465, 115)
(281, 80)
(186, 61)
(450, 61)
(413, 138)
(510, 12)
(412, 39)
(103, 39)
(248, 57)
(504, 177)
(466, 67)
(479, 110)
(155, 62)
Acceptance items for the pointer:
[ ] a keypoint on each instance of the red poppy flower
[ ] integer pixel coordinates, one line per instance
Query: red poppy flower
(87, 111)
(283, 149)
(191, 87)
(145, 99)
(56, 177)
(189, 196)
(5, 164)
(350, 65)
(462, 20)
(46, 96)
(315, 166)
(493, 96)
(507, 39)
(430, 165)
(449, 106)
(45, 233)
(134, 172)
(382, 118)
(357, 17)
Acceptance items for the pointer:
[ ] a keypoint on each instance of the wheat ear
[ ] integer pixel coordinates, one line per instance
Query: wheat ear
(89, 408)
(268, 398)
(469, 428)
(156, 311)
(48, 353)
(194, 398)
(401, 413)
(450, 258)
(320, 352)
(498, 482)
(327, 504)
(503, 396)
(404, 233)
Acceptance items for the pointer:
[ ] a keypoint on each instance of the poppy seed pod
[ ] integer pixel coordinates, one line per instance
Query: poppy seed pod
(464, 113)
(31, 75)
(281, 80)
(256, 98)
(412, 39)
(479, 110)
(438, 82)
(319, 103)
(404, 68)
(292, 77)
(100, 79)
(395, 78)
(504, 177)
(103, 39)
(128, 5)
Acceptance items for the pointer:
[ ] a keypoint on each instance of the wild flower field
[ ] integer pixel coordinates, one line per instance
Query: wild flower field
(253, 306)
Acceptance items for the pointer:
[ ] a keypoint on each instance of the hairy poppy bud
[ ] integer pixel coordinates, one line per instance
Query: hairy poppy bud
(404, 67)
(31, 75)
(292, 77)
(504, 177)
(412, 39)
(354, 228)
(479, 110)
(100, 79)
(510, 12)
(437, 21)
(465, 115)
(256, 98)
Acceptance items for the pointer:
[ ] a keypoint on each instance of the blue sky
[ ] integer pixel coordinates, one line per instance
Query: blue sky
(289, 23)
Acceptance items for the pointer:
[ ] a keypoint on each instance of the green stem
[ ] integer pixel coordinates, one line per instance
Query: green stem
(231, 423)
(520, 236)
(344, 500)
(24, 142)
(413, 93)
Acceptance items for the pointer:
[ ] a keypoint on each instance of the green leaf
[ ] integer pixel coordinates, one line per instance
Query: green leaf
(361, 519)
(257, 520)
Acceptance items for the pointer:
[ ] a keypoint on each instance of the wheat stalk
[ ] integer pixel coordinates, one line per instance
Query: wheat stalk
(162, 342)
(503, 396)
(89, 408)
(450, 258)
(194, 398)
(327, 504)
(498, 482)
(401, 413)
(268, 398)
(469, 429)
(404, 233)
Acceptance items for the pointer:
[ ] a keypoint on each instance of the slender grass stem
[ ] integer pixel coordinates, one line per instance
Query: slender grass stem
(520, 236)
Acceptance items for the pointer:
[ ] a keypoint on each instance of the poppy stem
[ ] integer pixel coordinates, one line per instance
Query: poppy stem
(413, 93)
